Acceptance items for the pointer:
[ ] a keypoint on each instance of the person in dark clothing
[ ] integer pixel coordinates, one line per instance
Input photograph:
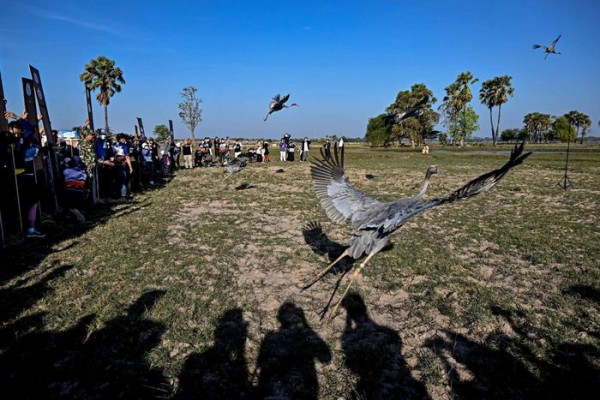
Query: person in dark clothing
(291, 151)
(327, 149)
(30, 190)
(187, 155)
(155, 154)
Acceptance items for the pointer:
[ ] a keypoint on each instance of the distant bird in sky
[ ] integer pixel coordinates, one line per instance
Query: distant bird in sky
(374, 221)
(278, 104)
(550, 49)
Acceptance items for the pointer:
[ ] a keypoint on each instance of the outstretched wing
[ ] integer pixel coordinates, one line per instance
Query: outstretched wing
(285, 98)
(337, 196)
(473, 188)
(539, 46)
(555, 41)
(276, 98)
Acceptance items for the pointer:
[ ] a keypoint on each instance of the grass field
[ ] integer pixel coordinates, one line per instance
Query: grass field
(193, 290)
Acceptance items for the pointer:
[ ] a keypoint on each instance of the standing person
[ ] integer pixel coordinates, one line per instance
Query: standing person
(237, 149)
(327, 149)
(176, 155)
(291, 149)
(215, 143)
(155, 155)
(282, 150)
(305, 149)
(266, 151)
(30, 191)
(123, 167)
(187, 154)
(223, 150)
(171, 150)
(88, 157)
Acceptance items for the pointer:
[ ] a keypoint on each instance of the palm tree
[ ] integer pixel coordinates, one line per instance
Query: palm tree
(494, 92)
(102, 74)
(458, 96)
(581, 121)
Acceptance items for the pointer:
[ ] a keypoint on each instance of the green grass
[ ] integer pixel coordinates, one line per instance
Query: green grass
(125, 305)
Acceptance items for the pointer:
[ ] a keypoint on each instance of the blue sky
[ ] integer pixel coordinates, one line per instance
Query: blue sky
(342, 61)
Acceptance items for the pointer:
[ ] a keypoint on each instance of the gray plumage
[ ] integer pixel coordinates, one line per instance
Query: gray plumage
(235, 165)
(278, 103)
(374, 221)
(548, 49)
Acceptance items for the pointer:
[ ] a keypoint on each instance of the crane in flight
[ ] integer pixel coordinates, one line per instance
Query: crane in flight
(278, 104)
(548, 49)
(374, 221)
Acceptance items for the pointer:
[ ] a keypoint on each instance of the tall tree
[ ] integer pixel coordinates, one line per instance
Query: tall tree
(563, 130)
(454, 107)
(420, 126)
(538, 126)
(162, 133)
(101, 73)
(379, 131)
(580, 121)
(494, 92)
(189, 109)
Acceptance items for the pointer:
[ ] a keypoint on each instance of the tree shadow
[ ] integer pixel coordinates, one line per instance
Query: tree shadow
(74, 363)
(286, 361)
(585, 292)
(374, 353)
(503, 367)
(220, 372)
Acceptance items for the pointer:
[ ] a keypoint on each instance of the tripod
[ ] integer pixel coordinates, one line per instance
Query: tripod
(565, 182)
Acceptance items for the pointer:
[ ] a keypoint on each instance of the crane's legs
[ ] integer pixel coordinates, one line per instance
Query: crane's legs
(353, 277)
(322, 273)
(224, 179)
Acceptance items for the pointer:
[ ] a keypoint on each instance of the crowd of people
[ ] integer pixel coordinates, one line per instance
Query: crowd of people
(99, 168)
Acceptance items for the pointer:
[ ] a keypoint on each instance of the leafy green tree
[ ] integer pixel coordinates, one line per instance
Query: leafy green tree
(580, 121)
(379, 131)
(443, 139)
(101, 73)
(455, 107)
(494, 92)
(509, 135)
(189, 109)
(162, 133)
(538, 126)
(562, 130)
(420, 126)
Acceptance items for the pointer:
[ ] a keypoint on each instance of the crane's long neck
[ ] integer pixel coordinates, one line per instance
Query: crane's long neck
(430, 171)
(424, 187)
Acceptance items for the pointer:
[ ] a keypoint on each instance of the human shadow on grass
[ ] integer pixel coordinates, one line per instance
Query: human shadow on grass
(221, 371)
(286, 361)
(504, 366)
(80, 363)
(373, 353)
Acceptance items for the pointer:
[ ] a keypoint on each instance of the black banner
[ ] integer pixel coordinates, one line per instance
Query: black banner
(90, 113)
(3, 121)
(41, 101)
(30, 107)
(141, 125)
(171, 129)
(136, 131)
